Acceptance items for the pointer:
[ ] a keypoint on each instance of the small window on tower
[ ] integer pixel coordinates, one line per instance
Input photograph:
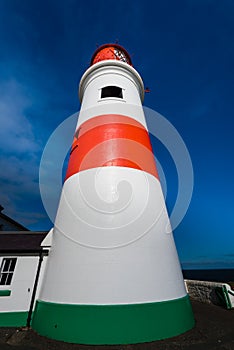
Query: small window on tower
(112, 91)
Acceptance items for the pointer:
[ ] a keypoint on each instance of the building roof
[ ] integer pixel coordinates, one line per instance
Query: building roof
(11, 221)
(21, 241)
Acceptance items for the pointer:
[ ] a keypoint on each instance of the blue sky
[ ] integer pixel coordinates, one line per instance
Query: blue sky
(184, 51)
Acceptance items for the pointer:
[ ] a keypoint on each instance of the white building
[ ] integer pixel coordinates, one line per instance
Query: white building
(23, 256)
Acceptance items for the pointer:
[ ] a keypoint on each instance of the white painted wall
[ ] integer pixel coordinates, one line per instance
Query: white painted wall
(21, 285)
(108, 73)
(100, 257)
(41, 276)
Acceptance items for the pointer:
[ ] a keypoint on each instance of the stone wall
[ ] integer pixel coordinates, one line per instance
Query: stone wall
(211, 292)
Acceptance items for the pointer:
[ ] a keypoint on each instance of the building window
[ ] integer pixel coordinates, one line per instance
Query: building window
(112, 91)
(7, 270)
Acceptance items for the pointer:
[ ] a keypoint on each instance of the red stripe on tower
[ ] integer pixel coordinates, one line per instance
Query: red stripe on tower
(111, 140)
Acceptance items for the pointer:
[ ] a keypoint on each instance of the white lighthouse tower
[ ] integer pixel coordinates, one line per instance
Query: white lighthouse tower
(113, 274)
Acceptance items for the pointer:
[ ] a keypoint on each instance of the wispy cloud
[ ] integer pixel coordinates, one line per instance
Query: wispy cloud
(20, 155)
(16, 132)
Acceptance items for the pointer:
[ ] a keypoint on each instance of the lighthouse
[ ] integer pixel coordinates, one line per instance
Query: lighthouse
(113, 275)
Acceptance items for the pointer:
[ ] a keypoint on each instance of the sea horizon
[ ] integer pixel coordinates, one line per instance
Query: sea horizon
(208, 266)
(209, 274)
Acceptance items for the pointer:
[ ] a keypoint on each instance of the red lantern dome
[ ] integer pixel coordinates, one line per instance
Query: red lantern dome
(111, 52)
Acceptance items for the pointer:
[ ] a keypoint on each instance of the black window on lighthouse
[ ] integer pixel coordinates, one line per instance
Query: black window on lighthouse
(111, 91)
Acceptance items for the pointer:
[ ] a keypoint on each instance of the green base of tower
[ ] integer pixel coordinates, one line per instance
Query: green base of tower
(13, 319)
(113, 324)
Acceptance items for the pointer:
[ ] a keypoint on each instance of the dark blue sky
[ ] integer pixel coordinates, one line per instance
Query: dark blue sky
(184, 51)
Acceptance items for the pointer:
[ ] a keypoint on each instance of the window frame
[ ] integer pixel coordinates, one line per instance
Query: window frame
(120, 90)
(7, 269)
